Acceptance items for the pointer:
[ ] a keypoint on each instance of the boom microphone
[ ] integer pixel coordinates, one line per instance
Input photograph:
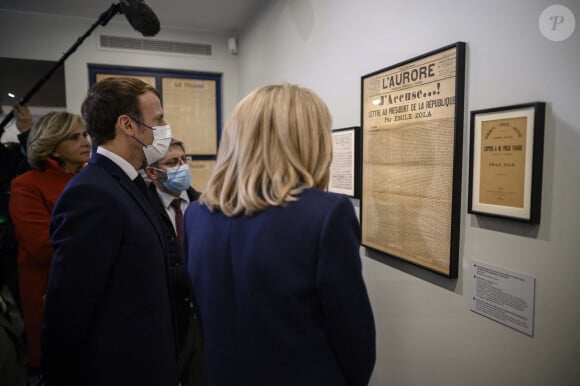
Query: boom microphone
(140, 16)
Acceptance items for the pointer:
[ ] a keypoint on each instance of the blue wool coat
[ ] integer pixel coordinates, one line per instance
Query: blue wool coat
(281, 294)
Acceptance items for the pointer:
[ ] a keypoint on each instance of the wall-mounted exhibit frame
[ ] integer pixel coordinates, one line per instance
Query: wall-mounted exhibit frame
(345, 169)
(505, 162)
(192, 105)
(412, 144)
(191, 102)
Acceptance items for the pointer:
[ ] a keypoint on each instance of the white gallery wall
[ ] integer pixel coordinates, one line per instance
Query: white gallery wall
(426, 334)
(46, 37)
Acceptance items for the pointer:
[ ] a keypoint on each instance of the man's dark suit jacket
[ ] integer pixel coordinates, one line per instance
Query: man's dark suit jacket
(187, 324)
(108, 318)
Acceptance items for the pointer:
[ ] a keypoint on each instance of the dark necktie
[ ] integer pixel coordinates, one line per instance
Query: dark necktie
(140, 182)
(176, 204)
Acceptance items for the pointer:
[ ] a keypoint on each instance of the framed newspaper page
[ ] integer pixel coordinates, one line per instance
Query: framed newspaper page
(190, 105)
(412, 144)
(506, 156)
(345, 166)
(191, 102)
(201, 170)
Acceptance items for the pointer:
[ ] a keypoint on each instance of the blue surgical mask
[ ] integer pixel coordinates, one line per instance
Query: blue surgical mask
(178, 179)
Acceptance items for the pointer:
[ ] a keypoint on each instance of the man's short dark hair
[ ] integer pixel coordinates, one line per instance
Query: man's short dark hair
(108, 99)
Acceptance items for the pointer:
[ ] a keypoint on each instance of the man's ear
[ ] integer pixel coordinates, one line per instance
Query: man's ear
(125, 124)
(151, 173)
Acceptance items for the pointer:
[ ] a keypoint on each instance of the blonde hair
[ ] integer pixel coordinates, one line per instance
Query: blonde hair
(276, 143)
(50, 130)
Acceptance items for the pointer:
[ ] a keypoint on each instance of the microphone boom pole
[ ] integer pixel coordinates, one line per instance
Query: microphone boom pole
(103, 20)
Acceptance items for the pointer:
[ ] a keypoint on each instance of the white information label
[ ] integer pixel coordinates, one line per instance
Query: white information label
(504, 296)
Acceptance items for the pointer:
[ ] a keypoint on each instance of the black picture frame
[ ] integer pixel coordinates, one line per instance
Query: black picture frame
(158, 75)
(412, 147)
(506, 160)
(345, 169)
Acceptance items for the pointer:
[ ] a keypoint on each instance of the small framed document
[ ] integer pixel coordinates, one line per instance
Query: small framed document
(345, 166)
(506, 156)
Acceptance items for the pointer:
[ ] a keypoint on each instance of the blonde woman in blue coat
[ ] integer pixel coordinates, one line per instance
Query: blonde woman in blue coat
(274, 258)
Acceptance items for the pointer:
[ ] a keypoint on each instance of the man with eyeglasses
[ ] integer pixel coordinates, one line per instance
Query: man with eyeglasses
(171, 179)
(171, 193)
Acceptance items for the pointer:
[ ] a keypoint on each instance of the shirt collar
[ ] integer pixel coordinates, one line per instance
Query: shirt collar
(167, 198)
(119, 161)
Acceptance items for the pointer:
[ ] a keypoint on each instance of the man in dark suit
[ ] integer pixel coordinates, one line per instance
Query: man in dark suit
(108, 316)
(171, 193)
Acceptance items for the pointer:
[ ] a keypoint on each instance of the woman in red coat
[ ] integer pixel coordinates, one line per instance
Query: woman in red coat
(57, 149)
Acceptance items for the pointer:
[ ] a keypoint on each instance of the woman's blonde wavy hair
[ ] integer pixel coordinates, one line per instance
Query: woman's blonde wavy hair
(50, 130)
(276, 143)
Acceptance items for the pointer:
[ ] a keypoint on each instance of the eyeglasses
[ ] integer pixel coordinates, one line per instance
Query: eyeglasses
(176, 161)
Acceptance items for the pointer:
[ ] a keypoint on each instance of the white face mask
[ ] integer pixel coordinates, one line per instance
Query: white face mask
(160, 145)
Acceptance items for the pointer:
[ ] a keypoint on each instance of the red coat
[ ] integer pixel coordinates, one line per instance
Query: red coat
(32, 198)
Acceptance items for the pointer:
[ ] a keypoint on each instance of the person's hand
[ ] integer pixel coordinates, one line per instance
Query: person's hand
(23, 117)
